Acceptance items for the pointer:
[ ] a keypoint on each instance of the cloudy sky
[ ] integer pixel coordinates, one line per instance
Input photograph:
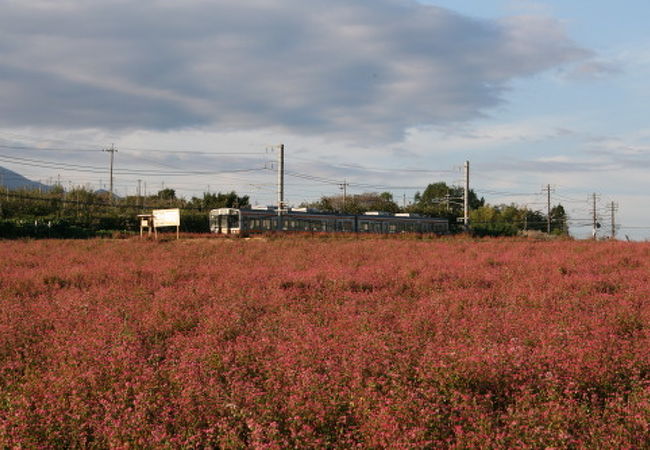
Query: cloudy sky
(388, 95)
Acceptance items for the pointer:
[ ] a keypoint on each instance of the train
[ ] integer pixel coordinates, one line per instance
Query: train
(265, 219)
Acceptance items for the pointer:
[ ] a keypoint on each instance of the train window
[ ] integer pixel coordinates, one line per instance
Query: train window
(226, 223)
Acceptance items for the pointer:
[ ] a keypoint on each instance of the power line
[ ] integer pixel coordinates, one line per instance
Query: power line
(334, 182)
(369, 168)
(94, 169)
(133, 149)
(505, 193)
(90, 203)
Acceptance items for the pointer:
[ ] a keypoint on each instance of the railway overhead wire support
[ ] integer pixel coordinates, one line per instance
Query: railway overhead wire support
(594, 216)
(344, 186)
(548, 208)
(613, 207)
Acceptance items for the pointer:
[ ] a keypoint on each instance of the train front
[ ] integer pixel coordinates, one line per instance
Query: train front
(225, 221)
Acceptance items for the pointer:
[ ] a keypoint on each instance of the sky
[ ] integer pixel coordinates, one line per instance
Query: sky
(383, 95)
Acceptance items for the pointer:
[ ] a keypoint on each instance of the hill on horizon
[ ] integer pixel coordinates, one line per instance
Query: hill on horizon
(13, 180)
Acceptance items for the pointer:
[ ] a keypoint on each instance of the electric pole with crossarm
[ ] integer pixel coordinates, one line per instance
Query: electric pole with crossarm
(112, 151)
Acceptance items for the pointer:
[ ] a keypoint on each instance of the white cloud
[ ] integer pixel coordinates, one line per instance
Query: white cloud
(358, 70)
(589, 70)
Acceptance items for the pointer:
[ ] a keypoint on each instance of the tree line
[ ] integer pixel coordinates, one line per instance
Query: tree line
(82, 212)
(442, 200)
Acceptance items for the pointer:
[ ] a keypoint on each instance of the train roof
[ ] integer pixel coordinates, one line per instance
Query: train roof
(317, 212)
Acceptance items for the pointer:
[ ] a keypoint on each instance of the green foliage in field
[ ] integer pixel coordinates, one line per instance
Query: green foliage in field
(82, 213)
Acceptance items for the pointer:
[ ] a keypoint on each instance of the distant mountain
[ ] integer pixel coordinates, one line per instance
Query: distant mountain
(13, 180)
(107, 194)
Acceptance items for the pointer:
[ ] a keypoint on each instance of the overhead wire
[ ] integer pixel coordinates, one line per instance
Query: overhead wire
(90, 149)
(94, 169)
(309, 179)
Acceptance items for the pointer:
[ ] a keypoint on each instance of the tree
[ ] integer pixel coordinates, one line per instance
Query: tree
(494, 220)
(167, 194)
(509, 220)
(219, 200)
(356, 204)
(441, 200)
(559, 219)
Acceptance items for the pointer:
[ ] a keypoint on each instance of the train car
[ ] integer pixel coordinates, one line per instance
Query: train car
(259, 220)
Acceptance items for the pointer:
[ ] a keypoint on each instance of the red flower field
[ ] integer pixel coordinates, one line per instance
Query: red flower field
(324, 342)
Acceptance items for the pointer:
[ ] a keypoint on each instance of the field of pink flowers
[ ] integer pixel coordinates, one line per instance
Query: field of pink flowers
(324, 342)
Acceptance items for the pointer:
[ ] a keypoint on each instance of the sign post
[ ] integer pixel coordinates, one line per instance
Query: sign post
(166, 218)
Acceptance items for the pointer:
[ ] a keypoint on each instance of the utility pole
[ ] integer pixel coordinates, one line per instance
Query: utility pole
(344, 186)
(466, 198)
(595, 224)
(140, 192)
(548, 208)
(112, 151)
(280, 184)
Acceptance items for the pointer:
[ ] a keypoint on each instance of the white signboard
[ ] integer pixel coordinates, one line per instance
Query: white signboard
(166, 218)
